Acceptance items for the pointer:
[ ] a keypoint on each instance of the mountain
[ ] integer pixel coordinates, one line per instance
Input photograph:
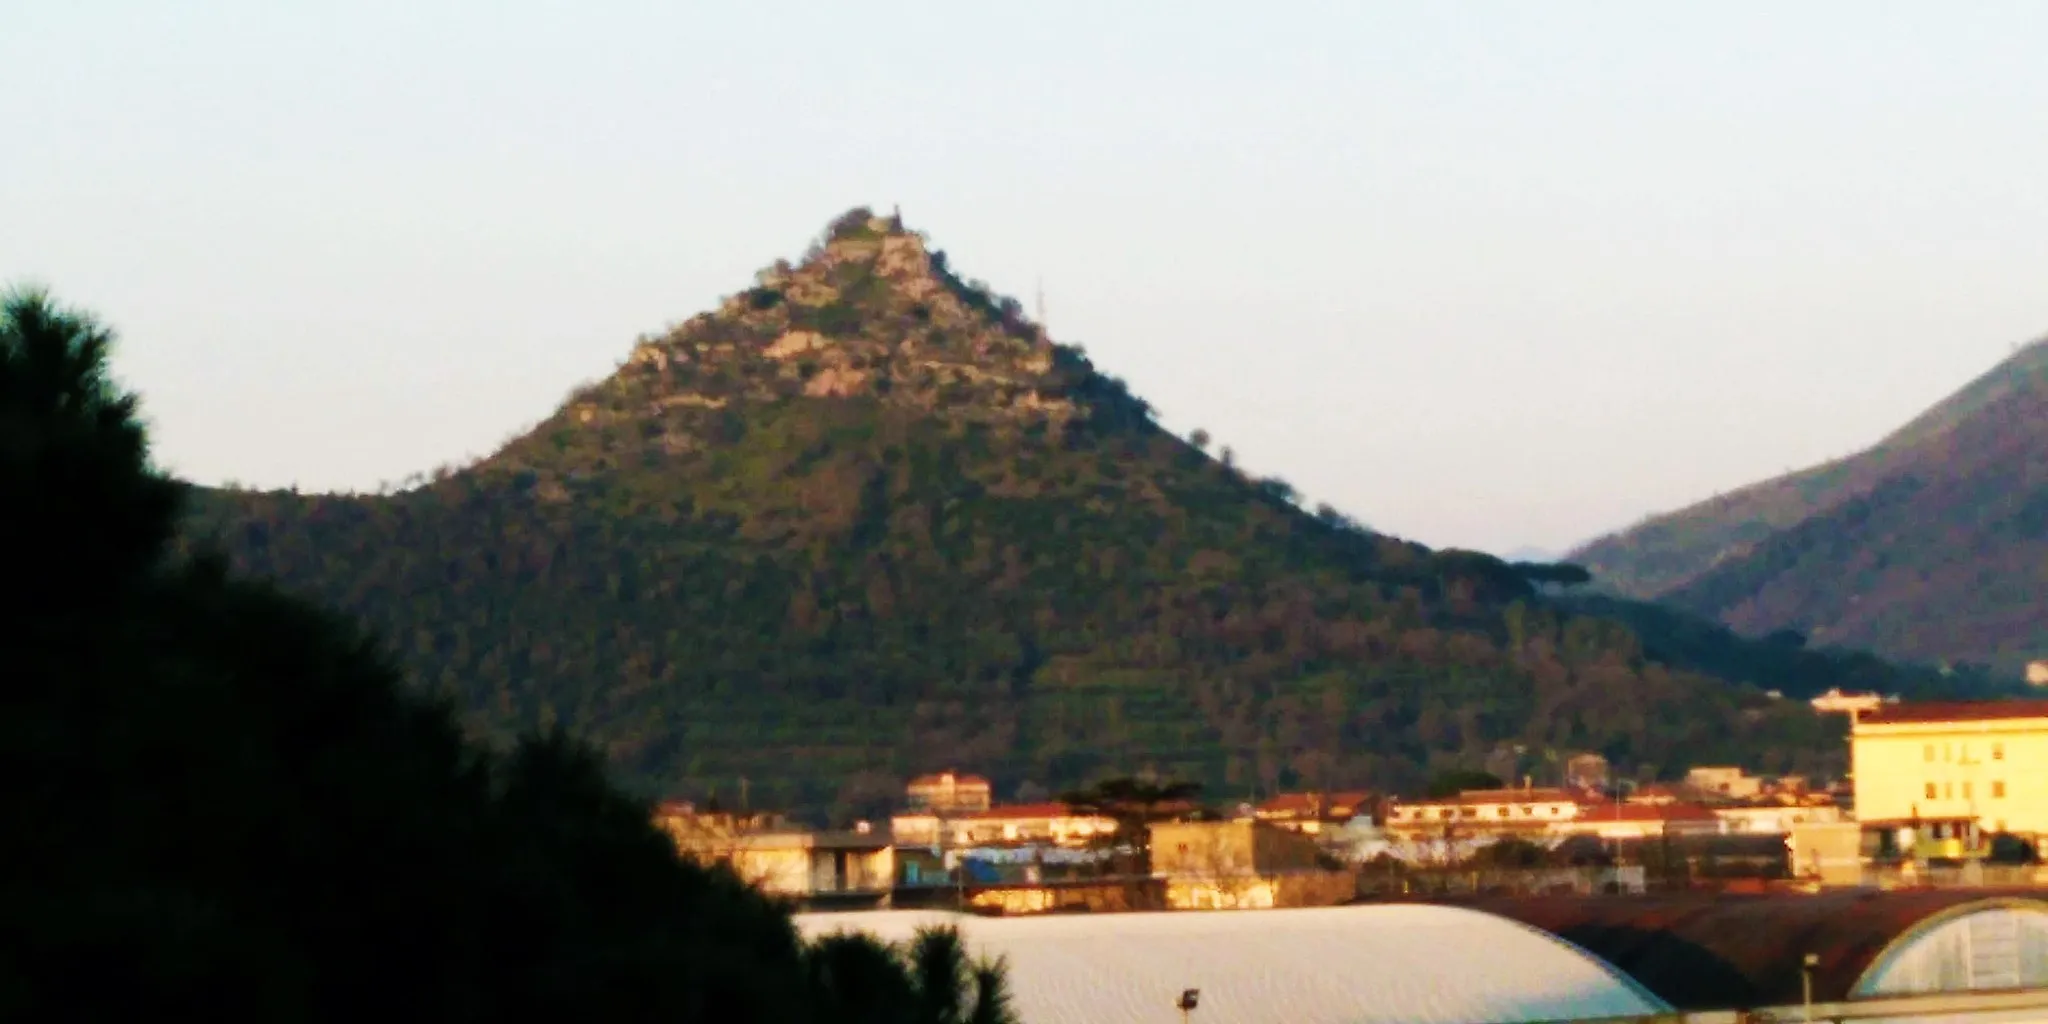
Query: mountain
(1930, 546)
(864, 519)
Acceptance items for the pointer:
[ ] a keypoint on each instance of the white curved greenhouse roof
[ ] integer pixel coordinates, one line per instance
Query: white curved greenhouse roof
(1405, 963)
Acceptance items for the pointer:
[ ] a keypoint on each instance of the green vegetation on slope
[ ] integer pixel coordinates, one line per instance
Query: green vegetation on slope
(224, 805)
(864, 520)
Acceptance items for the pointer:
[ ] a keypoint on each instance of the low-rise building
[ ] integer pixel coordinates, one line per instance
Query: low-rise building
(1587, 772)
(1221, 865)
(1835, 702)
(1826, 853)
(1774, 818)
(1528, 810)
(765, 851)
(948, 793)
(1003, 825)
(1625, 822)
(1314, 813)
(1724, 782)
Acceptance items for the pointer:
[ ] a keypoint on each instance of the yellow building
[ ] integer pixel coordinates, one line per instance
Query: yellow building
(1231, 865)
(1981, 761)
(766, 852)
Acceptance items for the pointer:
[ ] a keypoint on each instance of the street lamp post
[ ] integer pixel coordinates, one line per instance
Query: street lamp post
(1186, 1003)
(1806, 967)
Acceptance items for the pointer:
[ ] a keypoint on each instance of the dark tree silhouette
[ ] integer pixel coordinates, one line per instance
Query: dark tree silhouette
(1134, 803)
(222, 802)
(1453, 781)
(1558, 574)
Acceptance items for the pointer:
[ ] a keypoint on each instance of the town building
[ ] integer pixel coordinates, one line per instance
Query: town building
(1774, 818)
(1314, 813)
(1589, 772)
(1724, 782)
(1983, 763)
(1626, 822)
(949, 793)
(1055, 824)
(1828, 853)
(1223, 865)
(816, 867)
(1835, 702)
(1525, 811)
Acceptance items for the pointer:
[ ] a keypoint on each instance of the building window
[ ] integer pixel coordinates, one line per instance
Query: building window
(1948, 790)
(1932, 793)
(1930, 753)
(1998, 793)
(1966, 791)
(1998, 751)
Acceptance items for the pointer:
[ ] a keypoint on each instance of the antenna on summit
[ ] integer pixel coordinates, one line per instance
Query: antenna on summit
(1041, 307)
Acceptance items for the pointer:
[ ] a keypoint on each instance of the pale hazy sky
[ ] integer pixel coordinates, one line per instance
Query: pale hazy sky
(1479, 273)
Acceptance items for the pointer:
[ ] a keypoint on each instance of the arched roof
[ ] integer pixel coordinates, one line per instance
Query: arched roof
(1410, 963)
(1702, 951)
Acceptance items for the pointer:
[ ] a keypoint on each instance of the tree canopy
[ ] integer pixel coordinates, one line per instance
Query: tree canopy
(224, 804)
(862, 521)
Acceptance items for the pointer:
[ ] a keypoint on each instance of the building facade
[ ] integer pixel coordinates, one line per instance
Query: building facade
(948, 793)
(1314, 813)
(1525, 811)
(1724, 782)
(1982, 761)
(1053, 824)
(1228, 865)
(768, 853)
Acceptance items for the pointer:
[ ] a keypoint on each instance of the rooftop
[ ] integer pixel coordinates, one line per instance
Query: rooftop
(1719, 951)
(1935, 711)
(1537, 795)
(1317, 803)
(1407, 963)
(948, 779)
(1599, 812)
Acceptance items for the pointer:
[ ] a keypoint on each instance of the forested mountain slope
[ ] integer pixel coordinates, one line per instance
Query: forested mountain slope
(865, 519)
(1930, 546)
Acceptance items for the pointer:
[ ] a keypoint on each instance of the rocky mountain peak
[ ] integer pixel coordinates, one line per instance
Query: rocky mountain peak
(871, 311)
(871, 316)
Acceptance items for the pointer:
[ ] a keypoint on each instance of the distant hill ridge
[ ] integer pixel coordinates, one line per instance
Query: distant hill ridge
(1930, 545)
(865, 519)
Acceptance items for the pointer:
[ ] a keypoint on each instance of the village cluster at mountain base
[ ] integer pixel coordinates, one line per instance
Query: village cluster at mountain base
(1910, 890)
(1941, 794)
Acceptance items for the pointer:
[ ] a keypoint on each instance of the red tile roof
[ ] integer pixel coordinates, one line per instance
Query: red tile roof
(1316, 803)
(1503, 796)
(1955, 711)
(1022, 812)
(1598, 812)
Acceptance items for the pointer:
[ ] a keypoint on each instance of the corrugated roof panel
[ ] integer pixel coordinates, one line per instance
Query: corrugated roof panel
(1407, 963)
(1710, 952)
